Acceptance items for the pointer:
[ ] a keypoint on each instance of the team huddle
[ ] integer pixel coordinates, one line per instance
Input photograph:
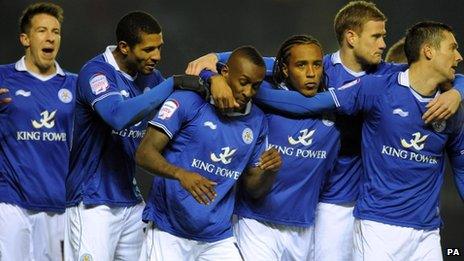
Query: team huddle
(301, 156)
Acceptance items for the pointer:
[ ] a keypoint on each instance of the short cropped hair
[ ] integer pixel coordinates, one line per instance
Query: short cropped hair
(133, 24)
(38, 8)
(250, 53)
(428, 32)
(396, 53)
(354, 15)
(284, 53)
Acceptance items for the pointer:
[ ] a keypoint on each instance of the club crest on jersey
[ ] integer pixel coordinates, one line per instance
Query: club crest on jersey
(247, 135)
(22, 93)
(439, 126)
(417, 142)
(47, 120)
(349, 84)
(86, 257)
(167, 110)
(65, 95)
(98, 83)
(225, 156)
(305, 138)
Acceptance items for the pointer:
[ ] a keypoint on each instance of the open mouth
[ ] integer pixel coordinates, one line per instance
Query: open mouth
(48, 51)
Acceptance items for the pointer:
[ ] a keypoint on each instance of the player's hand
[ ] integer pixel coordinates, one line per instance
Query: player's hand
(270, 160)
(222, 94)
(207, 62)
(443, 106)
(4, 100)
(201, 188)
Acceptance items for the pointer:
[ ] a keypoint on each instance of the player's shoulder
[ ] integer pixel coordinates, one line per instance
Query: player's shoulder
(389, 68)
(97, 64)
(187, 99)
(7, 70)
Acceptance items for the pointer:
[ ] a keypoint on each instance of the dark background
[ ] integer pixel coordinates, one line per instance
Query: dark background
(193, 28)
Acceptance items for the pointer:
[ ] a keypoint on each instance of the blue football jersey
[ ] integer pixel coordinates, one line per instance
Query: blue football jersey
(217, 147)
(403, 158)
(342, 185)
(35, 137)
(308, 148)
(102, 165)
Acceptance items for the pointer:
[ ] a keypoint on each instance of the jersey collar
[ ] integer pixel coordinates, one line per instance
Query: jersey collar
(21, 67)
(336, 59)
(403, 79)
(109, 58)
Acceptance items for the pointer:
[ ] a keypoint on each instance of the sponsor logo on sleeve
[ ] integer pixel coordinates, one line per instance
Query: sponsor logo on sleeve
(98, 83)
(168, 109)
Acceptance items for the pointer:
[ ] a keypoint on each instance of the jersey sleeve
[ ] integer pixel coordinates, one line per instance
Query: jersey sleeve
(455, 150)
(359, 95)
(292, 102)
(179, 108)
(261, 144)
(96, 82)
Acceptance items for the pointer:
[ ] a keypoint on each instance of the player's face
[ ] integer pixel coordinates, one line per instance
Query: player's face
(369, 44)
(447, 56)
(42, 42)
(304, 68)
(147, 53)
(244, 78)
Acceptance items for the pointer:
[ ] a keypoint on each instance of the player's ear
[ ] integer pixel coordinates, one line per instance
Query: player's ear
(24, 39)
(428, 51)
(123, 47)
(225, 70)
(351, 37)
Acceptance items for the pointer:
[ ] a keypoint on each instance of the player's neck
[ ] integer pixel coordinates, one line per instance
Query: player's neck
(122, 63)
(349, 60)
(31, 66)
(423, 80)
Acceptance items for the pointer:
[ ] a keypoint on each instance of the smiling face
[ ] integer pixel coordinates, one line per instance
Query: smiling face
(143, 56)
(303, 68)
(369, 44)
(42, 42)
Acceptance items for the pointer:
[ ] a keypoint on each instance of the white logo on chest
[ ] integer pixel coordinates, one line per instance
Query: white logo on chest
(225, 156)
(305, 138)
(417, 143)
(47, 121)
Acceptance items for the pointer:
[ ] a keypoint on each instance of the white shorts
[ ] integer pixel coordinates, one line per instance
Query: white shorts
(104, 233)
(266, 241)
(378, 241)
(57, 226)
(334, 232)
(25, 234)
(162, 246)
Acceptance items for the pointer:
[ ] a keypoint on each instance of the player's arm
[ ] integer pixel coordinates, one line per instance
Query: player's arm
(455, 151)
(258, 180)
(209, 61)
(120, 113)
(149, 157)
(4, 99)
(457, 163)
(445, 105)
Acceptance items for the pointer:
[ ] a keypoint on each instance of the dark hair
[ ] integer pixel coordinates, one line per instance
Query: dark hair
(38, 8)
(421, 33)
(132, 24)
(396, 53)
(250, 53)
(284, 53)
(354, 15)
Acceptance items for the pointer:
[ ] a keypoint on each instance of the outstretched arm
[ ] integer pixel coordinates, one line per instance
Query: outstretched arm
(120, 113)
(149, 157)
